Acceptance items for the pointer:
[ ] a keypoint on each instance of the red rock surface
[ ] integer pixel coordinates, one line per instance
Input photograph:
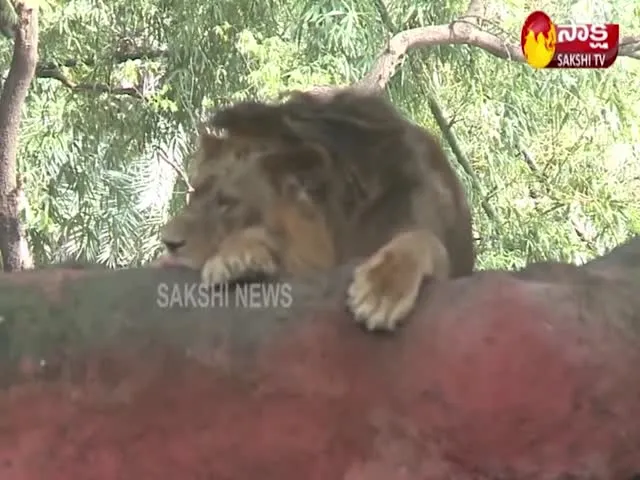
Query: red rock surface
(495, 377)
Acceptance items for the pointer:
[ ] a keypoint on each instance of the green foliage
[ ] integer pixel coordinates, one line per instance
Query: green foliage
(100, 168)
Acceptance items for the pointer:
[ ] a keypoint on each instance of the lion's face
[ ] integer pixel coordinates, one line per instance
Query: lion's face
(230, 193)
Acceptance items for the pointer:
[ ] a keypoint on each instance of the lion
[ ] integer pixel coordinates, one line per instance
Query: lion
(309, 183)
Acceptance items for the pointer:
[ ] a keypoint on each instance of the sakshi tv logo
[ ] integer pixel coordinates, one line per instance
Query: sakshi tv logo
(547, 45)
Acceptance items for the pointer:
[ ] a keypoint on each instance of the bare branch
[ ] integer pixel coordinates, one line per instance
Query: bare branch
(464, 162)
(179, 171)
(464, 31)
(629, 46)
(455, 34)
(121, 56)
(139, 54)
(529, 160)
(56, 74)
(124, 53)
(103, 88)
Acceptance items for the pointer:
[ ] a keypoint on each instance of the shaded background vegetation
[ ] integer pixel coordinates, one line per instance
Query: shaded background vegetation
(110, 120)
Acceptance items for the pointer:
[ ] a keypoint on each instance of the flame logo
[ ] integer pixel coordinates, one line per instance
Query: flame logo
(538, 39)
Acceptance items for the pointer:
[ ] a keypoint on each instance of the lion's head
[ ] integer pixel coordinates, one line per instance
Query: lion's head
(244, 178)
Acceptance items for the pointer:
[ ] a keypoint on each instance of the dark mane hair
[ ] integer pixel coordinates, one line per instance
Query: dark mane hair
(370, 148)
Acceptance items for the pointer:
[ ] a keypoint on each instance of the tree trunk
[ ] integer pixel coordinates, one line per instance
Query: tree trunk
(515, 375)
(12, 98)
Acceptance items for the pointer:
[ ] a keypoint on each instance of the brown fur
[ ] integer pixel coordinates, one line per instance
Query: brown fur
(312, 182)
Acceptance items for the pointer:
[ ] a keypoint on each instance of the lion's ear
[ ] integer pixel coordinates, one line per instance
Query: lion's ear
(252, 119)
(306, 166)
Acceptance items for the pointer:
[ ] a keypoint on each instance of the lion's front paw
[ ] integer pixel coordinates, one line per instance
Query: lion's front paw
(232, 265)
(384, 289)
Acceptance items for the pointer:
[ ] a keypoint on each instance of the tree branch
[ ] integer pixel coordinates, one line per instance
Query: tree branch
(464, 31)
(121, 56)
(464, 162)
(53, 70)
(179, 171)
(57, 74)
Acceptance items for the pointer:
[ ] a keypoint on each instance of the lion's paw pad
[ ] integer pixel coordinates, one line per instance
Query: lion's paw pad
(381, 294)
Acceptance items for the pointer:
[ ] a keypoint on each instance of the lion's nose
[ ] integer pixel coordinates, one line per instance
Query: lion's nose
(173, 245)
